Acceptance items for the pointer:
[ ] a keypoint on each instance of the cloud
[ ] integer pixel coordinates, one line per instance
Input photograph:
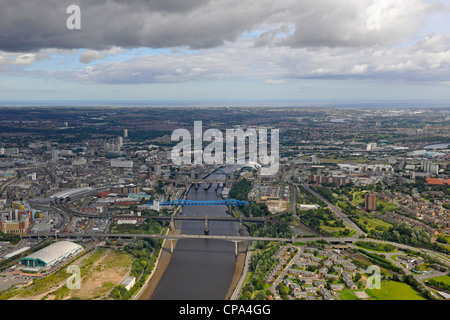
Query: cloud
(274, 82)
(25, 59)
(89, 56)
(202, 24)
(427, 59)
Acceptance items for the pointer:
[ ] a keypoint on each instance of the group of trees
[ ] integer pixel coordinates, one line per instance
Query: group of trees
(439, 284)
(240, 190)
(262, 262)
(326, 193)
(144, 252)
(414, 236)
(376, 246)
(13, 238)
(379, 260)
(306, 197)
(323, 217)
(256, 210)
(150, 226)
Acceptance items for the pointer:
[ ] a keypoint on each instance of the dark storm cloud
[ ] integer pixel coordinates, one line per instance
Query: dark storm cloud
(33, 25)
(199, 24)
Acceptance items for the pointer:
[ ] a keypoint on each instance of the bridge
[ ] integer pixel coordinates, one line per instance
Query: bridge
(182, 202)
(235, 239)
(206, 219)
(171, 238)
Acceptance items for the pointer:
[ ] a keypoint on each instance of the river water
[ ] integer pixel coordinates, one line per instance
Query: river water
(200, 269)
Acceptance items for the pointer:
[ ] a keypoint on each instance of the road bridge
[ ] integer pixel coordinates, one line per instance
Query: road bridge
(171, 238)
(183, 202)
(235, 239)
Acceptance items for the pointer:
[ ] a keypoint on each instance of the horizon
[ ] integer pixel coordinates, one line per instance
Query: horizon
(227, 104)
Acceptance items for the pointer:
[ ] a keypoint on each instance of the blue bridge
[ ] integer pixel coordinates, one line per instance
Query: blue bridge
(228, 202)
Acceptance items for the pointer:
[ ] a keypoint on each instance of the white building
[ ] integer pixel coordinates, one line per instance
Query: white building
(128, 282)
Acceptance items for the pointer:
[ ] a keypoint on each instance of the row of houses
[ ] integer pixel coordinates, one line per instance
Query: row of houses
(282, 255)
(329, 265)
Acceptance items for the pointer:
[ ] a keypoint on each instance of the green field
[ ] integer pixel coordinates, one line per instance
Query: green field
(393, 290)
(348, 296)
(445, 279)
(372, 223)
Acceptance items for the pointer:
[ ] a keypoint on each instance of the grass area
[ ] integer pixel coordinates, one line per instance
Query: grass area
(392, 290)
(373, 246)
(383, 206)
(445, 279)
(372, 223)
(348, 296)
(117, 259)
(423, 267)
(358, 197)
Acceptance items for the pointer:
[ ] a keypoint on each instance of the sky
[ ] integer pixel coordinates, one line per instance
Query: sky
(293, 51)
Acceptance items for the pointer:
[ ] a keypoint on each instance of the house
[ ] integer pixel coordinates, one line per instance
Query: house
(323, 271)
(347, 279)
(288, 282)
(295, 287)
(349, 267)
(300, 294)
(307, 255)
(306, 273)
(337, 287)
(331, 276)
(307, 281)
(339, 270)
(310, 289)
(327, 263)
(312, 264)
(326, 294)
(319, 284)
(296, 272)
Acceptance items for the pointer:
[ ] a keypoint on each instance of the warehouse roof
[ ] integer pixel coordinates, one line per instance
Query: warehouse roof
(54, 251)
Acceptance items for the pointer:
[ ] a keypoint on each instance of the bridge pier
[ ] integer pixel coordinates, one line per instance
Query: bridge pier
(241, 226)
(206, 225)
(172, 225)
(236, 247)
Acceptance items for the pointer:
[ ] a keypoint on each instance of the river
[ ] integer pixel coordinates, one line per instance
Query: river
(200, 269)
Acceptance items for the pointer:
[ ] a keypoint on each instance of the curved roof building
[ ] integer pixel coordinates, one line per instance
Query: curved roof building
(51, 255)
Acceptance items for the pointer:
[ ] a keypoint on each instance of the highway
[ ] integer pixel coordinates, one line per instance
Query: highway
(152, 236)
(331, 240)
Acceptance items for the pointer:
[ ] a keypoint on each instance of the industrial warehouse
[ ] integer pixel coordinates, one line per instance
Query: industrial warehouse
(50, 256)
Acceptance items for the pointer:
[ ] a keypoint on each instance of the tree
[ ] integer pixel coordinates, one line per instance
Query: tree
(261, 295)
